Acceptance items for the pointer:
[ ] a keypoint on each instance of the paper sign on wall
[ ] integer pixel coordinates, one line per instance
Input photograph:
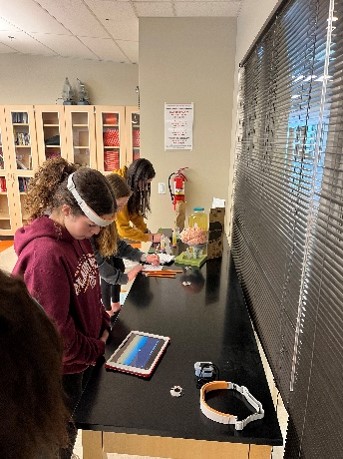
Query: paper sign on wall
(178, 126)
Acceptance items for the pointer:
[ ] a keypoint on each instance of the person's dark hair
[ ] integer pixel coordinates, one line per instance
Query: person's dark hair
(119, 185)
(34, 416)
(137, 177)
(48, 189)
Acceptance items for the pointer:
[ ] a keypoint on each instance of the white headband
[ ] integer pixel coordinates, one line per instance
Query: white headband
(93, 216)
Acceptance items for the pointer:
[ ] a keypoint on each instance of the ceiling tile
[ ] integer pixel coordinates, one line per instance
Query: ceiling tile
(26, 44)
(66, 46)
(76, 16)
(106, 49)
(122, 30)
(92, 29)
(154, 9)
(130, 48)
(6, 49)
(28, 15)
(4, 25)
(117, 10)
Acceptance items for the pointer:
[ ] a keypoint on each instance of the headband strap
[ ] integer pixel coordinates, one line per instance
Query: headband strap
(93, 216)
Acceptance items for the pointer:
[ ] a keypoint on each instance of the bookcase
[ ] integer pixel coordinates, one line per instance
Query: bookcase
(101, 137)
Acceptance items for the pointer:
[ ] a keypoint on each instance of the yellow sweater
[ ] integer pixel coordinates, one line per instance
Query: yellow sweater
(132, 227)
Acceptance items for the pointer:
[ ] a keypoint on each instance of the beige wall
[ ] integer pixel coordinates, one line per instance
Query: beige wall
(31, 79)
(186, 60)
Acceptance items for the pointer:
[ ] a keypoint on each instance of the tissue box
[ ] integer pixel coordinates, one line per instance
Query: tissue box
(215, 233)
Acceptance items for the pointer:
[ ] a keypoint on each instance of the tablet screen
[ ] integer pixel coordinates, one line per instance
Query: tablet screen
(138, 353)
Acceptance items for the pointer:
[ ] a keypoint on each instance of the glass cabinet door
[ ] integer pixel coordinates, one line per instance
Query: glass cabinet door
(21, 135)
(22, 161)
(51, 132)
(80, 129)
(110, 138)
(5, 221)
(133, 133)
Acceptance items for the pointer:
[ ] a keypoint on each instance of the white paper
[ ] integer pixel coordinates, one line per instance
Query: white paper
(217, 202)
(178, 126)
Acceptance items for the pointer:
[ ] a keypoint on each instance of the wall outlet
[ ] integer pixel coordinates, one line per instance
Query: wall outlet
(161, 188)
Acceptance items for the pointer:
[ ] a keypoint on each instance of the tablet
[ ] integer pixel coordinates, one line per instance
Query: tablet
(138, 354)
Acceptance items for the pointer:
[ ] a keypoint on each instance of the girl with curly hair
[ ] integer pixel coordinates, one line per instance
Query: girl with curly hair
(67, 206)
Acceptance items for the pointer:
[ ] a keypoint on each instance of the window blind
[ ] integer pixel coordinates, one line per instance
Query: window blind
(287, 239)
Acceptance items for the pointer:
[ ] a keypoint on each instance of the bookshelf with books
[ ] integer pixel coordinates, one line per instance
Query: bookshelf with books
(97, 136)
(20, 143)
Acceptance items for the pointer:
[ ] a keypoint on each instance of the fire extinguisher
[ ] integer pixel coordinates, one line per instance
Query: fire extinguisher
(176, 185)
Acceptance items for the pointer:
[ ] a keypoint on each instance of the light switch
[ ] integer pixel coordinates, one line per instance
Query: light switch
(161, 188)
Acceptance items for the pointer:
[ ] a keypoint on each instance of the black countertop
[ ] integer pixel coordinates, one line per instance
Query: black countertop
(206, 321)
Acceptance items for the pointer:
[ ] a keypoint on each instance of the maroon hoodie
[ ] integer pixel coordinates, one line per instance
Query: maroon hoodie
(61, 273)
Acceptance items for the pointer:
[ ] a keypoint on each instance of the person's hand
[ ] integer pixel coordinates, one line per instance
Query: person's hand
(153, 259)
(104, 336)
(134, 271)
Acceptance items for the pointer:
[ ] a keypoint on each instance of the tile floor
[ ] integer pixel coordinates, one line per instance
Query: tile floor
(7, 261)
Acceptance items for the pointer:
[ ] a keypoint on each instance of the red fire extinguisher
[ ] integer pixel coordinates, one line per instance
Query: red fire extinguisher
(176, 185)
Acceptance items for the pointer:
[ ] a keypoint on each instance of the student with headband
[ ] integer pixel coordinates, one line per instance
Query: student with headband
(66, 207)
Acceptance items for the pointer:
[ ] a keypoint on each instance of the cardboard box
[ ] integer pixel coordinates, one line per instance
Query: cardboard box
(215, 233)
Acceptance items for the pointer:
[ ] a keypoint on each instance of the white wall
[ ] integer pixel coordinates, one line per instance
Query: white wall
(27, 79)
(186, 60)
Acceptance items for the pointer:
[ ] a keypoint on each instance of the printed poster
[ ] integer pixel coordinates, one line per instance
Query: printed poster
(178, 126)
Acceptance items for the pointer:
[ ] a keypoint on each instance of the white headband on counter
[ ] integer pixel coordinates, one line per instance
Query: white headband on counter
(93, 216)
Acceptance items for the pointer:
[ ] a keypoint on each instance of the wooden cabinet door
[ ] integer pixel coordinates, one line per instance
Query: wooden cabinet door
(80, 134)
(133, 133)
(51, 132)
(23, 158)
(110, 137)
(6, 217)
